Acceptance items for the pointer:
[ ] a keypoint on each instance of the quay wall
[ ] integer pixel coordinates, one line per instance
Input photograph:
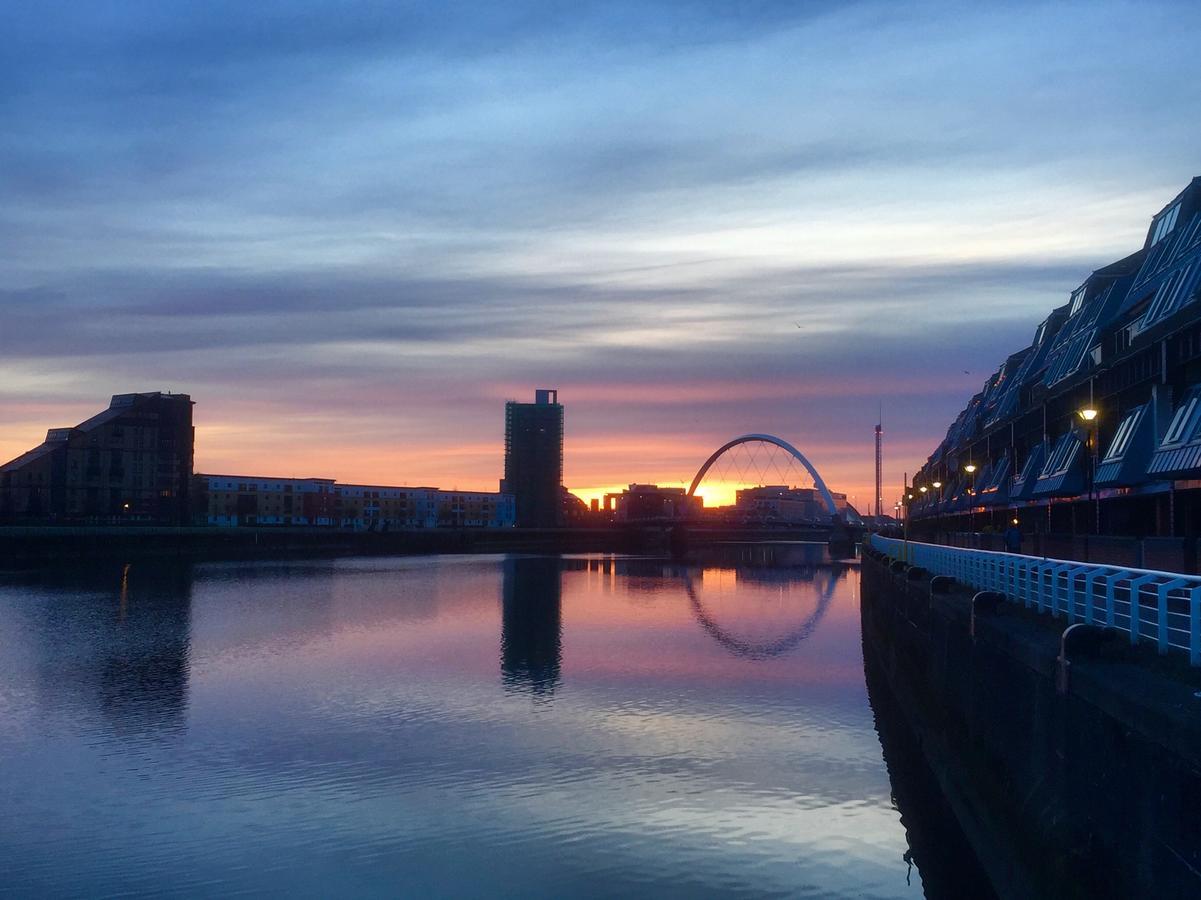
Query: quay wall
(1092, 791)
(52, 544)
(33, 545)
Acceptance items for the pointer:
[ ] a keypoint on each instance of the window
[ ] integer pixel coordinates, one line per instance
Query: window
(1028, 468)
(1122, 437)
(1164, 224)
(1071, 359)
(1062, 456)
(1170, 296)
(1180, 430)
(1078, 299)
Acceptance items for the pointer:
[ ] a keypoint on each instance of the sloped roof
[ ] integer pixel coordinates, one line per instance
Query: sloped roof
(29, 456)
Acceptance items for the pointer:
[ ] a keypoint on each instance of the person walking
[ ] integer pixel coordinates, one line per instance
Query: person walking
(1013, 538)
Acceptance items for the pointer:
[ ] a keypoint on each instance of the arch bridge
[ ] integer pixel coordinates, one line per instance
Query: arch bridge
(796, 454)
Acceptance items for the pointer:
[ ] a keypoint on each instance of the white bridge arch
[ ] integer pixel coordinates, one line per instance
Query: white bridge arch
(783, 445)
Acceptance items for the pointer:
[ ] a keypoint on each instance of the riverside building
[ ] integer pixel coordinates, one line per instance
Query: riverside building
(248, 500)
(129, 463)
(534, 459)
(1095, 427)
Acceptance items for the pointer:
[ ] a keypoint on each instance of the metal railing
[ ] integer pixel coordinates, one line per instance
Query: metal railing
(1159, 607)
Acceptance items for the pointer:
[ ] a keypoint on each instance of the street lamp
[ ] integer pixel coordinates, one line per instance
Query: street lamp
(970, 468)
(1089, 416)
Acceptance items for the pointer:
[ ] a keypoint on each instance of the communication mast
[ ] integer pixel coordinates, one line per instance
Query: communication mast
(880, 463)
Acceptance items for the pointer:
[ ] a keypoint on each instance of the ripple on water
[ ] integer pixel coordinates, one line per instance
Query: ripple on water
(522, 727)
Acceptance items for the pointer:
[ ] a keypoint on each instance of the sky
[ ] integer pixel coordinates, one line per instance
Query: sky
(351, 231)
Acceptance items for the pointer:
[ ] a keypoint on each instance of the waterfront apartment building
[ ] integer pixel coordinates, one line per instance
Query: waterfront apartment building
(246, 500)
(534, 459)
(1095, 427)
(129, 463)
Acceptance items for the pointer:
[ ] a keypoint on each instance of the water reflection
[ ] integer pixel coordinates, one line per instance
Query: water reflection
(113, 639)
(531, 642)
(339, 727)
(825, 581)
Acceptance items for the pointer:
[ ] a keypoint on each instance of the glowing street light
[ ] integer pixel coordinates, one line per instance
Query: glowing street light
(970, 468)
(1089, 415)
(937, 485)
(923, 489)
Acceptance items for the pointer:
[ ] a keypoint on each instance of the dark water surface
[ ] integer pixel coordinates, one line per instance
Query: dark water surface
(484, 725)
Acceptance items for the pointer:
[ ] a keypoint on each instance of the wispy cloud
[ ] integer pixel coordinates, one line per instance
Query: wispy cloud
(359, 226)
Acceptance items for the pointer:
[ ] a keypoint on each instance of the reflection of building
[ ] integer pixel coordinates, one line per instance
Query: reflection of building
(640, 502)
(534, 459)
(128, 630)
(253, 500)
(779, 503)
(133, 461)
(531, 638)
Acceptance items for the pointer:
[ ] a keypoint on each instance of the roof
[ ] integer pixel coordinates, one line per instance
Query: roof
(30, 455)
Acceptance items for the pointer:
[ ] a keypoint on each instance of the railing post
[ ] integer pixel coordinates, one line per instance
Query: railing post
(1162, 625)
(1194, 627)
(1136, 607)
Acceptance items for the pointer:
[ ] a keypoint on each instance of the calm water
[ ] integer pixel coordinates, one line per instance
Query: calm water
(508, 726)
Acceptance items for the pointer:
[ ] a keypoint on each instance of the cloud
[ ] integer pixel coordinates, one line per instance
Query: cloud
(364, 225)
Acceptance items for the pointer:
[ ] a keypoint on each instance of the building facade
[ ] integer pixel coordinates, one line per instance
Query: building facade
(534, 459)
(130, 463)
(650, 502)
(1095, 427)
(246, 500)
(780, 504)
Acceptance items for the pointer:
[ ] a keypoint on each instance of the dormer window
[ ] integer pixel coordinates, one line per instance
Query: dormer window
(1078, 299)
(1182, 426)
(1040, 334)
(1163, 226)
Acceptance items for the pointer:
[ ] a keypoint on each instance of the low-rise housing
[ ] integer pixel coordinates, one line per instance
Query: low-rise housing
(233, 500)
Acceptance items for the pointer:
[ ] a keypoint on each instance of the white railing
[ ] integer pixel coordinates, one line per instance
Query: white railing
(1160, 607)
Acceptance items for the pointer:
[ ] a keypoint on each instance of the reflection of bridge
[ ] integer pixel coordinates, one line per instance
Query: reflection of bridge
(531, 627)
(763, 649)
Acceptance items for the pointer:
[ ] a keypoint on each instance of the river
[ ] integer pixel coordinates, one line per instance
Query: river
(516, 726)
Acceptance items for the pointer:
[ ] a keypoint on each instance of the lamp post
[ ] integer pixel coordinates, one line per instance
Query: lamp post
(970, 469)
(1090, 418)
